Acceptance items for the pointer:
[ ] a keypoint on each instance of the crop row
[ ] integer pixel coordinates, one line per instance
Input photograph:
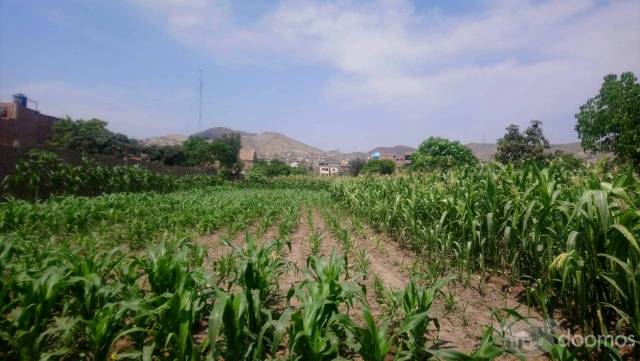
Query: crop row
(572, 238)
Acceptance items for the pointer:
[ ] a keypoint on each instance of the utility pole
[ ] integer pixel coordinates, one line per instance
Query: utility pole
(200, 100)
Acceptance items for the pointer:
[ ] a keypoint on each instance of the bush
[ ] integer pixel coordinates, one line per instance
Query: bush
(379, 166)
(41, 174)
(439, 154)
(274, 168)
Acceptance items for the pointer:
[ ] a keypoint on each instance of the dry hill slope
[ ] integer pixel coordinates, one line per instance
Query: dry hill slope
(272, 143)
(267, 143)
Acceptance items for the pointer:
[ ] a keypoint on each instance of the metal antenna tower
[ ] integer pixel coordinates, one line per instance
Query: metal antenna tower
(200, 100)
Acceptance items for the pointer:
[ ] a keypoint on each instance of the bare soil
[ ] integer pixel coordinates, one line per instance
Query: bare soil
(461, 326)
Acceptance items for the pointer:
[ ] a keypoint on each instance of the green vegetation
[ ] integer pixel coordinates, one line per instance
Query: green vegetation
(199, 151)
(93, 138)
(120, 275)
(610, 121)
(379, 166)
(516, 147)
(264, 170)
(439, 154)
(42, 174)
(573, 237)
(104, 263)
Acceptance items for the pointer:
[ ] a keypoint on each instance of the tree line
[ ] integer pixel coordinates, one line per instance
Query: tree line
(607, 123)
(94, 138)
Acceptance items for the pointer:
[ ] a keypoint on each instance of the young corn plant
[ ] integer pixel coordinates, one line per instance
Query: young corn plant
(315, 240)
(237, 327)
(259, 267)
(317, 326)
(416, 303)
(39, 299)
(362, 262)
(372, 342)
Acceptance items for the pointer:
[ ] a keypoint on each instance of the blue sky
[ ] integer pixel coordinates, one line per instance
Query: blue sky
(342, 74)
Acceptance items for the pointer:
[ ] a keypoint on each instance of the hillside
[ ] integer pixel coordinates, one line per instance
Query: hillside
(267, 143)
(165, 140)
(273, 143)
(217, 132)
(397, 149)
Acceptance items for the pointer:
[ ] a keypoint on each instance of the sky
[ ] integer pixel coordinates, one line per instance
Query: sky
(335, 74)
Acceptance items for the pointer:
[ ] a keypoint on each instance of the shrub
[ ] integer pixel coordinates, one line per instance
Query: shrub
(379, 166)
(440, 153)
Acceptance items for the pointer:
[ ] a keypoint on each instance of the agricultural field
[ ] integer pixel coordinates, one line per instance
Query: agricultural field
(445, 266)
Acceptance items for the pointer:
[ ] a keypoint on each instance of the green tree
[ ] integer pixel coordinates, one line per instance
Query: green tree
(516, 147)
(379, 166)
(355, 166)
(610, 121)
(440, 153)
(92, 137)
(225, 150)
(168, 155)
(198, 151)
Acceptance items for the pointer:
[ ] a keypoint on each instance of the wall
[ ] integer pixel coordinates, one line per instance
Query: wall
(23, 126)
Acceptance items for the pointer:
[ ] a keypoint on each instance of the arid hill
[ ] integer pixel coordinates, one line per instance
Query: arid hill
(266, 143)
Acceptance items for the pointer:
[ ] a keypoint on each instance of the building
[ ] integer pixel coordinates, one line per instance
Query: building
(248, 157)
(328, 169)
(22, 126)
(400, 160)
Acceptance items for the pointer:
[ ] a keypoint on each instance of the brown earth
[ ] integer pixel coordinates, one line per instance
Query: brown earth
(461, 326)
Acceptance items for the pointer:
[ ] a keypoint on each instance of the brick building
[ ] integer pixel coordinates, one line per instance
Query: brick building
(21, 126)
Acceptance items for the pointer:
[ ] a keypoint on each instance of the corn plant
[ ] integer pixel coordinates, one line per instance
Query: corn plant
(362, 262)
(241, 324)
(416, 303)
(315, 240)
(373, 342)
(259, 267)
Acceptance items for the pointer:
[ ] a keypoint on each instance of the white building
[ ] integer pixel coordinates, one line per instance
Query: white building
(329, 169)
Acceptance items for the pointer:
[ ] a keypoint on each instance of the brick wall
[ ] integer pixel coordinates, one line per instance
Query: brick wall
(23, 126)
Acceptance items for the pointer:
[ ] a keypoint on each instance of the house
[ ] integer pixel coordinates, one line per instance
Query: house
(400, 160)
(248, 157)
(23, 126)
(328, 169)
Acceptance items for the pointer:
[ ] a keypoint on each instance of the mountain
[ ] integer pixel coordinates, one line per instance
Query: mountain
(217, 132)
(397, 149)
(269, 143)
(485, 151)
(165, 140)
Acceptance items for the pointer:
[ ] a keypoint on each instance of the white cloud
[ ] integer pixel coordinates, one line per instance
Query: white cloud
(511, 60)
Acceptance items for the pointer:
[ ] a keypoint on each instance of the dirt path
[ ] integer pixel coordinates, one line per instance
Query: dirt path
(385, 257)
(462, 325)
